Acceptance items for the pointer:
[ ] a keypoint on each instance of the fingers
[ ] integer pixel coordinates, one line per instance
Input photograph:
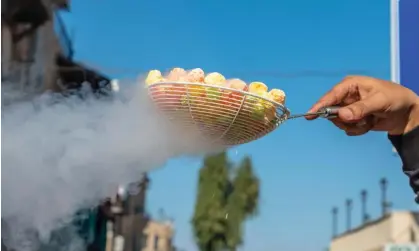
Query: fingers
(357, 93)
(333, 97)
(354, 129)
(363, 108)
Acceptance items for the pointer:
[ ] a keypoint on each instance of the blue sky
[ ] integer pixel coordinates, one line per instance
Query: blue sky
(305, 167)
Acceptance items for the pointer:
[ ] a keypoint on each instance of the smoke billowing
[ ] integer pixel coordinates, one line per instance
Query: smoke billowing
(60, 154)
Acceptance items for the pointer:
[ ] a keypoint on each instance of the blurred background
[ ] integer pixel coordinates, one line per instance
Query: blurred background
(304, 187)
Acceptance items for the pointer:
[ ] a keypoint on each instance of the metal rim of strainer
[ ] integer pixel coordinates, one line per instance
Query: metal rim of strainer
(226, 137)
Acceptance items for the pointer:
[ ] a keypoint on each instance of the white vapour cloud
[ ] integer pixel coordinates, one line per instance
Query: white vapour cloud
(59, 154)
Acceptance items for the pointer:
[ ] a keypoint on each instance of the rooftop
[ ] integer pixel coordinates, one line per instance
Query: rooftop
(373, 223)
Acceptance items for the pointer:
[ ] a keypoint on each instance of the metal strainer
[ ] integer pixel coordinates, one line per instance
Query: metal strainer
(222, 115)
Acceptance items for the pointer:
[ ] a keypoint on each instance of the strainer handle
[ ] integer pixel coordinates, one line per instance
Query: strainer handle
(329, 112)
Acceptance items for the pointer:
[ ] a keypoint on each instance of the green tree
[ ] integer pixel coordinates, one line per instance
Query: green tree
(242, 202)
(209, 221)
(224, 203)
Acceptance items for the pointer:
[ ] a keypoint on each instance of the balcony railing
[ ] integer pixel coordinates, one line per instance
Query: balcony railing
(63, 37)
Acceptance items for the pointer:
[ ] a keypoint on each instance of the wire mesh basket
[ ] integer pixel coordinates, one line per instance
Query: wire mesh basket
(222, 115)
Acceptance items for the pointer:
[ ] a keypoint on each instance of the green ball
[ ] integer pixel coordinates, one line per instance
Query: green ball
(213, 93)
(258, 112)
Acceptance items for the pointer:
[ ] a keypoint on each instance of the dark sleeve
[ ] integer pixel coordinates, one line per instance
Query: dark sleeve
(407, 146)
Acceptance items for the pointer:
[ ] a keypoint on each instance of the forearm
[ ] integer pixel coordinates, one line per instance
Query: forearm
(407, 146)
(413, 120)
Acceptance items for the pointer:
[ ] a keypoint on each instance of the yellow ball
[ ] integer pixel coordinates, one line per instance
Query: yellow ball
(215, 78)
(257, 88)
(153, 77)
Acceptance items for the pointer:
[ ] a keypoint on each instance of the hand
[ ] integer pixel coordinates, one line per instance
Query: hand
(371, 104)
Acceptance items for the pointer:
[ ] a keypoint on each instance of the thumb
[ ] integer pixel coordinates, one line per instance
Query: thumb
(361, 109)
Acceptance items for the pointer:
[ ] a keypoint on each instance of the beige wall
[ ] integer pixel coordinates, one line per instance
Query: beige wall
(401, 225)
(395, 228)
(164, 232)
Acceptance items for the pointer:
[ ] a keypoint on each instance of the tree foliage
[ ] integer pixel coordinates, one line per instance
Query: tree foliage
(242, 202)
(209, 219)
(224, 202)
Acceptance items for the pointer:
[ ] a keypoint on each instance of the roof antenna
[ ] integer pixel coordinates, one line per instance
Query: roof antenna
(335, 212)
(365, 216)
(385, 205)
(348, 214)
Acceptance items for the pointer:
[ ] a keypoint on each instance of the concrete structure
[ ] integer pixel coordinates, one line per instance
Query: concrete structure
(133, 218)
(132, 229)
(37, 55)
(33, 36)
(158, 236)
(394, 230)
(37, 52)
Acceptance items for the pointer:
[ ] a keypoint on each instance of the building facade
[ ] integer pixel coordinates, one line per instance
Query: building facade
(37, 55)
(396, 231)
(121, 223)
(126, 226)
(37, 52)
(133, 220)
(134, 230)
(30, 45)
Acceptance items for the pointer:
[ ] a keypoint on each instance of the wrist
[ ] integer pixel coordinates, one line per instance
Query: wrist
(413, 120)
